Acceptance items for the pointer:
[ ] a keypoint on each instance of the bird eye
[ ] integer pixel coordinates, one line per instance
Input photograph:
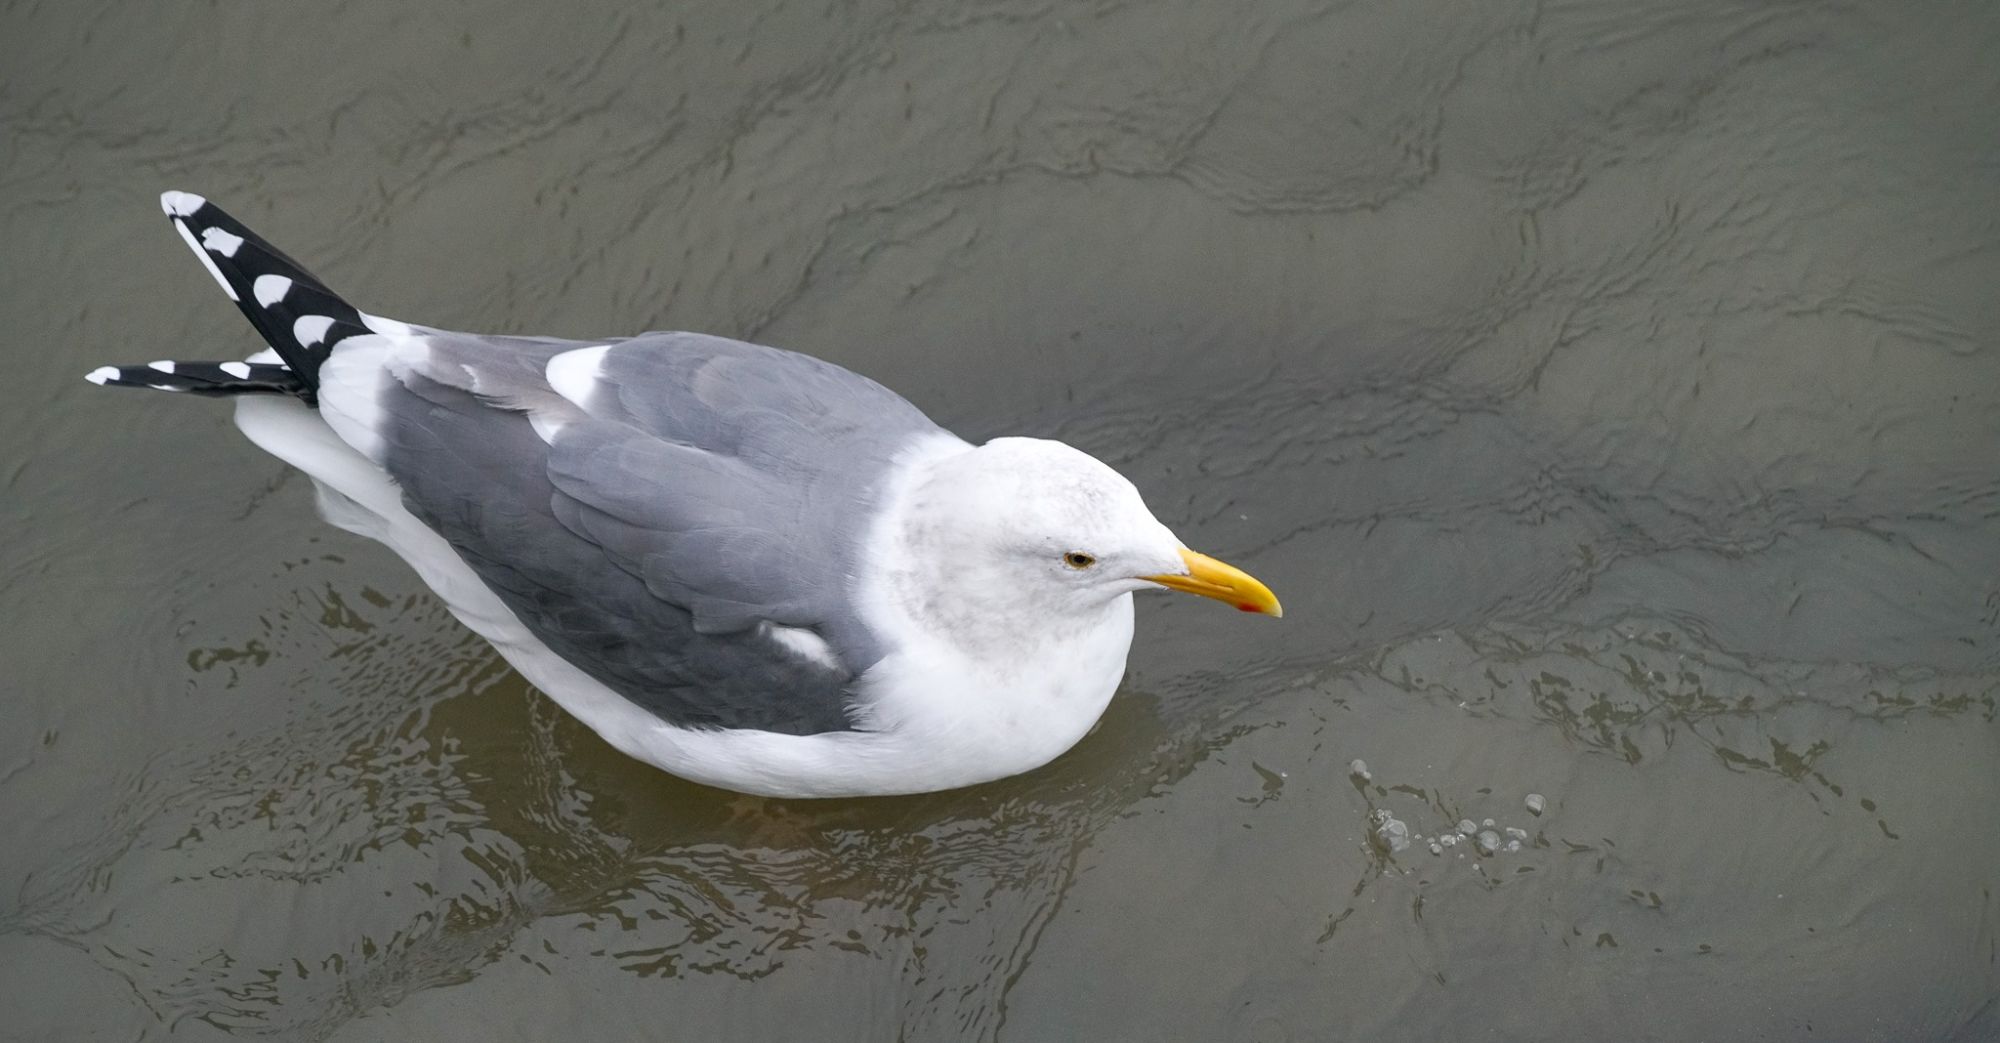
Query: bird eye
(1077, 559)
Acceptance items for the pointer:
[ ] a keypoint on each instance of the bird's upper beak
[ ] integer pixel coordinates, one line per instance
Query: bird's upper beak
(1213, 579)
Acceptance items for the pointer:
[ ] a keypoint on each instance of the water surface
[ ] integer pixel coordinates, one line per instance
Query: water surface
(1609, 389)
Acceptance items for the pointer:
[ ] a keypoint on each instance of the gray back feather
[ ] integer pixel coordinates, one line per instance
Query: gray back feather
(703, 488)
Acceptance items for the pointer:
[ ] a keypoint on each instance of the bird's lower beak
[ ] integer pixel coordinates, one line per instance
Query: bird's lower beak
(1213, 579)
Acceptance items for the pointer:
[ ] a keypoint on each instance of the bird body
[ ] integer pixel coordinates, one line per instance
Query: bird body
(746, 566)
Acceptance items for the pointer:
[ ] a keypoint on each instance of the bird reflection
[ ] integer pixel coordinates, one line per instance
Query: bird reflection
(425, 814)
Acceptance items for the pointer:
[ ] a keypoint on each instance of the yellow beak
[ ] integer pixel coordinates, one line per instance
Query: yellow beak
(1213, 579)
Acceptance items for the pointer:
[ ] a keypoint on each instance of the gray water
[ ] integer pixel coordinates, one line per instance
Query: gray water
(1610, 390)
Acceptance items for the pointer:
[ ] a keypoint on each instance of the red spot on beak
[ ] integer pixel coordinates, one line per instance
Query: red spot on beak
(1248, 608)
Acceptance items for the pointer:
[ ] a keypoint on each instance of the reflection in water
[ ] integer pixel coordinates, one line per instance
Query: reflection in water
(491, 831)
(485, 825)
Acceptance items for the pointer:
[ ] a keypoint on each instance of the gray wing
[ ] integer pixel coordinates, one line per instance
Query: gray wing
(653, 524)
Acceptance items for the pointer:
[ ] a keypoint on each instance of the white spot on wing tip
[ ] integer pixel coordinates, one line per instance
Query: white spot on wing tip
(181, 204)
(309, 330)
(222, 242)
(575, 374)
(164, 365)
(102, 374)
(239, 370)
(206, 261)
(270, 289)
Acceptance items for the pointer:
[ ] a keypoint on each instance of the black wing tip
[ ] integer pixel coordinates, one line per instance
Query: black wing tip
(296, 314)
(202, 378)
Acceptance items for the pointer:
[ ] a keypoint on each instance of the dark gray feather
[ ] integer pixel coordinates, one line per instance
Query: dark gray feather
(708, 487)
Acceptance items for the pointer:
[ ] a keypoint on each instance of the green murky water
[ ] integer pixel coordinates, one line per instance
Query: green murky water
(1610, 390)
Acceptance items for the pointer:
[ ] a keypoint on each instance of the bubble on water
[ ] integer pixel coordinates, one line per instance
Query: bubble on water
(1513, 845)
(1359, 769)
(1517, 832)
(1489, 842)
(1389, 833)
(1437, 848)
(1487, 823)
(1467, 827)
(1536, 803)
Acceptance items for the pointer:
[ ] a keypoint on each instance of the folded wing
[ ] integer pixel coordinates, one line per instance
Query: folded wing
(676, 514)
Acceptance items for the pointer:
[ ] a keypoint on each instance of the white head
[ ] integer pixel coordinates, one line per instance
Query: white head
(1028, 538)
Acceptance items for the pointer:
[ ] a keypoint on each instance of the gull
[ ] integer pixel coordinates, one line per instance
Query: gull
(743, 565)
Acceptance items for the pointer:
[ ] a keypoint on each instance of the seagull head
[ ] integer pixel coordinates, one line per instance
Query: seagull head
(1026, 529)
